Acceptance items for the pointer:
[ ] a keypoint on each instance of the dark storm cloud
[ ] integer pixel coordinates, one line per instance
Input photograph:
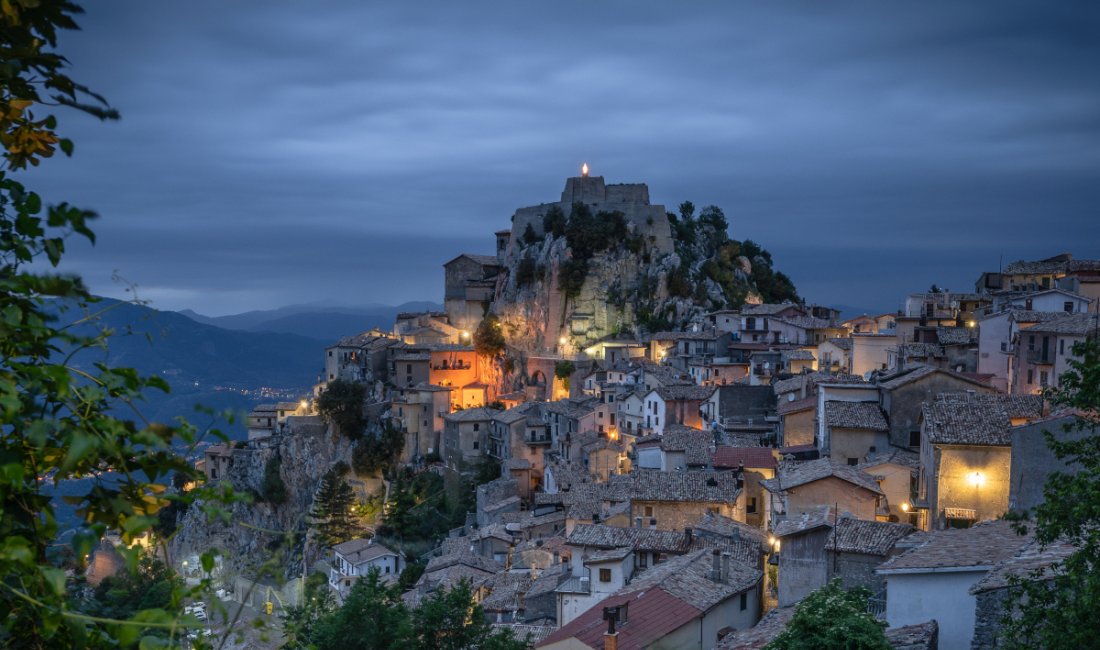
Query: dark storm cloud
(274, 154)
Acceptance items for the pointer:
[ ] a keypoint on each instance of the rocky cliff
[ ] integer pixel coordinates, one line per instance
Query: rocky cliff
(604, 262)
(252, 532)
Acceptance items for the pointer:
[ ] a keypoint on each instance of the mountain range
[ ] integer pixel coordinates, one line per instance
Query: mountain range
(315, 320)
(227, 362)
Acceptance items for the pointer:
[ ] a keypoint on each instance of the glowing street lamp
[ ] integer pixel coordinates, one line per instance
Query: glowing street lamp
(905, 507)
(977, 479)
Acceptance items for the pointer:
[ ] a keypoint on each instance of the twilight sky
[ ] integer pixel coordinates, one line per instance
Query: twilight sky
(272, 153)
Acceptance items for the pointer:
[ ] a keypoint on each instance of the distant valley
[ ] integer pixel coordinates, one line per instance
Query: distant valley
(227, 362)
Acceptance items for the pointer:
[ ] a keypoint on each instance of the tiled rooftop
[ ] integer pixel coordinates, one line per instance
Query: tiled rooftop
(855, 415)
(984, 545)
(1067, 324)
(689, 393)
(1031, 558)
(792, 474)
(688, 578)
(754, 457)
(976, 419)
(655, 485)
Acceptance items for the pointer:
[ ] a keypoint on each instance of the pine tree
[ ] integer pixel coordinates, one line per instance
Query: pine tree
(331, 510)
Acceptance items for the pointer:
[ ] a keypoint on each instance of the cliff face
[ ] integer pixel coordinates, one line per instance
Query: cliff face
(619, 267)
(252, 531)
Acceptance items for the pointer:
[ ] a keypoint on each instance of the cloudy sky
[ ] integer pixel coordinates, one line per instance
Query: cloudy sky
(272, 153)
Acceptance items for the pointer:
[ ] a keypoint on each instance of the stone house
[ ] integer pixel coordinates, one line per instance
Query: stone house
(409, 366)
(834, 355)
(932, 580)
(996, 334)
(821, 545)
(804, 486)
(1043, 352)
(418, 411)
(797, 420)
(675, 405)
(895, 469)
(965, 456)
(903, 394)
(688, 602)
(469, 281)
(755, 464)
(363, 357)
(465, 438)
(631, 413)
(354, 559)
(567, 418)
(840, 391)
(739, 404)
(678, 449)
(674, 500)
(853, 430)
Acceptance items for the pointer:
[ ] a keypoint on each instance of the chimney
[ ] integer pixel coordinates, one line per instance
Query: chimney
(716, 566)
(725, 567)
(688, 536)
(611, 636)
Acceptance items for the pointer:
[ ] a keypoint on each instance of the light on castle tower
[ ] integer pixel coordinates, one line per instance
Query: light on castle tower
(584, 169)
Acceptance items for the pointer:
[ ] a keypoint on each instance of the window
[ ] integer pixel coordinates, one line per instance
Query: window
(1031, 342)
(476, 442)
(408, 367)
(605, 575)
(914, 438)
(853, 461)
(1030, 376)
(744, 600)
(656, 421)
(1043, 376)
(610, 398)
(1061, 346)
(601, 428)
(751, 507)
(1067, 306)
(649, 511)
(643, 560)
(330, 353)
(612, 416)
(599, 414)
(477, 426)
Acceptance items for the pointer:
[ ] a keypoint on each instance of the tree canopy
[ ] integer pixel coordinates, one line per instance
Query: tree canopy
(1058, 609)
(374, 617)
(342, 404)
(57, 421)
(833, 618)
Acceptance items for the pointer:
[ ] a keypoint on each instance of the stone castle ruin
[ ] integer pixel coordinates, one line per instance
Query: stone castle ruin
(631, 199)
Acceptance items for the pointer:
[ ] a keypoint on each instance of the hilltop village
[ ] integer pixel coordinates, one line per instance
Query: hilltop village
(639, 445)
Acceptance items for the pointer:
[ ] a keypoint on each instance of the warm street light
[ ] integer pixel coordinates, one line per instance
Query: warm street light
(976, 479)
(905, 507)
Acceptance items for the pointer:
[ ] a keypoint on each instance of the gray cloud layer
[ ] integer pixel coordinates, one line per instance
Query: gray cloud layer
(276, 153)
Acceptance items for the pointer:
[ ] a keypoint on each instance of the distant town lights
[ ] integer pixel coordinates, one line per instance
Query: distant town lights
(584, 169)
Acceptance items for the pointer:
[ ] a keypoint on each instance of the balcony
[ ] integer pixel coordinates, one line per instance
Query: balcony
(1041, 357)
(537, 439)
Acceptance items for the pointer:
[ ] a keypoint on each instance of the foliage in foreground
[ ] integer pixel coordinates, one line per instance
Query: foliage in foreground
(374, 617)
(833, 618)
(56, 422)
(1058, 610)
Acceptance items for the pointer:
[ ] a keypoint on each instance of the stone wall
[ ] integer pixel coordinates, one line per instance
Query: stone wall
(988, 611)
(1033, 462)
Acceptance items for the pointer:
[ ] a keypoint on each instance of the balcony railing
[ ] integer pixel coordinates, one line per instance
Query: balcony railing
(1041, 357)
(542, 439)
